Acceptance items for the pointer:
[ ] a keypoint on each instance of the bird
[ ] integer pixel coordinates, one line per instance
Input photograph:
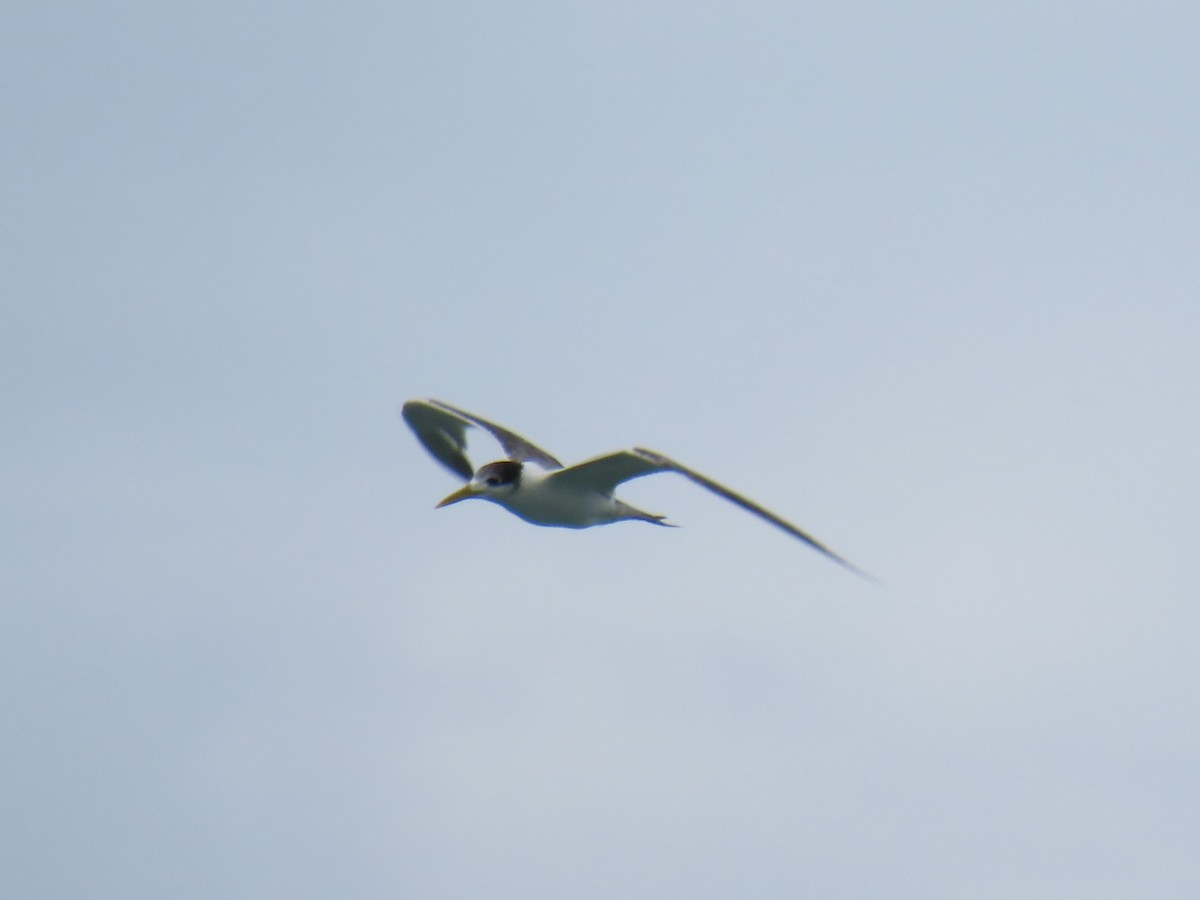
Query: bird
(533, 485)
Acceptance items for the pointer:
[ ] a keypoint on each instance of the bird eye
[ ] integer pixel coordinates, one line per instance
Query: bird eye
(493, 481)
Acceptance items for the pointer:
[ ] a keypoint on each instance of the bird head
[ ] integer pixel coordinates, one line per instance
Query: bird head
(495, 481)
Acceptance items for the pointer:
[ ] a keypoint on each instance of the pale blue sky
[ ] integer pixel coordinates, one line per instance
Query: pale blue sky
(923, 278)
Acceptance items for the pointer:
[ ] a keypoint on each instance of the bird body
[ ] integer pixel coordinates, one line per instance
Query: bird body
(542, 497)
(532, 484)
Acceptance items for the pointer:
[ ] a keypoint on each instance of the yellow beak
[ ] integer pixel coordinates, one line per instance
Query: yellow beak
(466, 492)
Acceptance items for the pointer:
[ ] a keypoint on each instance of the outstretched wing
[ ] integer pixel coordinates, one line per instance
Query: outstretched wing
(604, 473)
(442, 428)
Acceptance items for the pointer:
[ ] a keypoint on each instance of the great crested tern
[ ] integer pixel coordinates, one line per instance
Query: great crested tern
(532, 484)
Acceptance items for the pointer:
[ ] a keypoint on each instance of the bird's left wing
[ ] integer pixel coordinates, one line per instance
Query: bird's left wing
(442, 428)
(604, 473)
(442, 433)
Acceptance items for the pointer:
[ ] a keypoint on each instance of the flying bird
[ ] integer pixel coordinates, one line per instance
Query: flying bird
(532, 484)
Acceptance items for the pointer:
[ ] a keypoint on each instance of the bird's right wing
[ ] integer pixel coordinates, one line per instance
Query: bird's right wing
(442, 428)
(604, 473)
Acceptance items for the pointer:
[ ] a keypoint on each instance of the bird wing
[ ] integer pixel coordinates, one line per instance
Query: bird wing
(604, 473)
(442, 428)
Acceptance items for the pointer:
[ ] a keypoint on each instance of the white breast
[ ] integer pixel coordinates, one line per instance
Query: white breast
(539, 501)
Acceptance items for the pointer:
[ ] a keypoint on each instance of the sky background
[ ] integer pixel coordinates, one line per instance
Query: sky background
(923, 278)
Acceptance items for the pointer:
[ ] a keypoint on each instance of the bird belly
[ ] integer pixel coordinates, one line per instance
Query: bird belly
(562, 509)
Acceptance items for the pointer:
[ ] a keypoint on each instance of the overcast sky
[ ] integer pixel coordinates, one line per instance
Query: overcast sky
(923, 278)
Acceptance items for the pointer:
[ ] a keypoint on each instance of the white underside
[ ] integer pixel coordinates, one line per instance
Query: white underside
(538, 501)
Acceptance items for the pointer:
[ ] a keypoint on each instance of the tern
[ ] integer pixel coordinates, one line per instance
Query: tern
(532, 484)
